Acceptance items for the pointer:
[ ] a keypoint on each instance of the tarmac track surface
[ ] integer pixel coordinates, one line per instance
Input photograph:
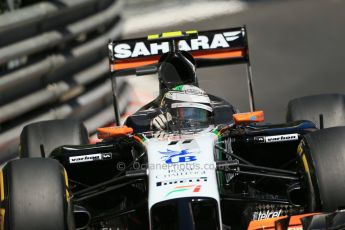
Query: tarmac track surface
(296, 48)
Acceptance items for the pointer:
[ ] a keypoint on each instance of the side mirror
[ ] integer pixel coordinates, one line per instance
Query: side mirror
(247, 118)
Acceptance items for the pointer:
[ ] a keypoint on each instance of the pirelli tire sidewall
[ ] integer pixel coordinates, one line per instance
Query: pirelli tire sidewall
(321, 156)
(309, 180)
(35, 195)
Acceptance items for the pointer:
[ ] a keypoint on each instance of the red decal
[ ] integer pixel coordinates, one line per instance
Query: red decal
(197, 188)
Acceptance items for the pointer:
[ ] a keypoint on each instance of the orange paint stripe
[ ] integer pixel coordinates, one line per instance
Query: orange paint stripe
(134, 64)
(185, 186)
(220, 54)
(296, 220)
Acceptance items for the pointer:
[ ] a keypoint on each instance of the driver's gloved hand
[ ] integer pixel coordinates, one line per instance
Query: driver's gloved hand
(160, 122)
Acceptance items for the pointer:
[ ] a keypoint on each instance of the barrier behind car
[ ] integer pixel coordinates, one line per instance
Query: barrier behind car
(53, 65)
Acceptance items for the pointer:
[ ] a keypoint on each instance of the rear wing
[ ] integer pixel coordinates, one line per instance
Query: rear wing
(140, 56)
(209, 48)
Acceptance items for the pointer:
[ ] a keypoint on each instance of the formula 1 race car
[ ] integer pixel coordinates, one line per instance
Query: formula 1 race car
(187, 160)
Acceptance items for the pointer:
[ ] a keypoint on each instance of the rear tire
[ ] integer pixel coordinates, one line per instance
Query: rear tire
(329, 108)
(322, 158)
(51, 134)
(35, 195)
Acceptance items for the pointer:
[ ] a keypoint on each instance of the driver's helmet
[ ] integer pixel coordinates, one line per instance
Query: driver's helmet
(188, 105)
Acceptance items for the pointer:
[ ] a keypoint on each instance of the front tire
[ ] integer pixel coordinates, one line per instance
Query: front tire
(322, 158)
(34, 195)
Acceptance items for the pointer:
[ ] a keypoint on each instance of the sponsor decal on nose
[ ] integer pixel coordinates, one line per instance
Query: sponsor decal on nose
(184, 188)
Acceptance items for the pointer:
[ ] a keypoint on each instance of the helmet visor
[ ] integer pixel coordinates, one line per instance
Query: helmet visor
(194, 114)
